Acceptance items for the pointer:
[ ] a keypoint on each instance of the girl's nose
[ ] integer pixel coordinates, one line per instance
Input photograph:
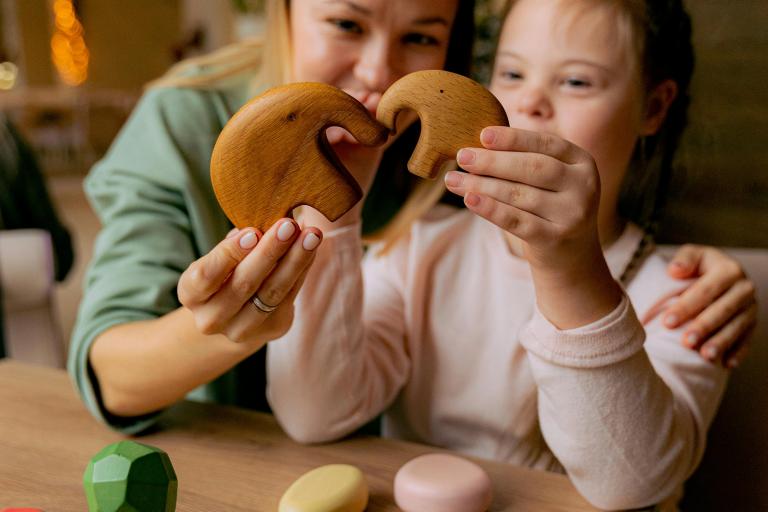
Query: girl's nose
(534, 102)
(375, 67)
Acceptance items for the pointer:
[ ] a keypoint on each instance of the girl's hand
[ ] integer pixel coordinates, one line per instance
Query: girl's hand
(544, 191)
(722, 300)
(219, 287)
(538, 187)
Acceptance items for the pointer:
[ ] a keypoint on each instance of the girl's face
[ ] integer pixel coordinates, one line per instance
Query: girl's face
(563, 68)
(363, 46)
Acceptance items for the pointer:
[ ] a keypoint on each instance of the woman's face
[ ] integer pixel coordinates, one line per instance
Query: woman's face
(562, 68)
(363, 46)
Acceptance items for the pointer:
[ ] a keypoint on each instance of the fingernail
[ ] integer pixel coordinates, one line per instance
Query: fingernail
(311, 241)
(472, 199)
(710, 353)
(248, 240)
(465, 157)
(733, 363)
(691, 339)
(286, 231)
(488, 136)
(453, 179)
(670, 320)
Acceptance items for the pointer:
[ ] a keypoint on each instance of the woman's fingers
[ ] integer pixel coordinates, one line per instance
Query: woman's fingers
(274, 290)
(502, 138)
(247, 277)
(737, 298)
(205, 276)
(701, 294)
(730, 337)
(685, 263)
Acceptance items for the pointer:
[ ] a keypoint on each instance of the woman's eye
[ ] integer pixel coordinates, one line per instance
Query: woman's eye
(347, 26)
(420, 39)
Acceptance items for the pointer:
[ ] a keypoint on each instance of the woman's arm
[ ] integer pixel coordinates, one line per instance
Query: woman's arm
(218, 328)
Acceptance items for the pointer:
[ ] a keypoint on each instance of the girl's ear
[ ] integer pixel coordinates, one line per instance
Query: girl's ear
(657, 106)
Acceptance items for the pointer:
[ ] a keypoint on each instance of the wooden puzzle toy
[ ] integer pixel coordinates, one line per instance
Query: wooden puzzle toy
(453, 110)
(273, 155)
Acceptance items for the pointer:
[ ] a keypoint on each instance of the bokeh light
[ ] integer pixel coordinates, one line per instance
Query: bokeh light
(68, 49)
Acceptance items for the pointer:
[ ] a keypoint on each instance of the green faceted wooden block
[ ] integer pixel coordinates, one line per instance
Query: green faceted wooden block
(130, 477)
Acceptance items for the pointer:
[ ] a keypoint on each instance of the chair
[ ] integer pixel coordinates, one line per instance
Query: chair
(26, 282)
(734, 472)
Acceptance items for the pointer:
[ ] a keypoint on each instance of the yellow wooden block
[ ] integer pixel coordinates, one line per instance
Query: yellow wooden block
(332, 488)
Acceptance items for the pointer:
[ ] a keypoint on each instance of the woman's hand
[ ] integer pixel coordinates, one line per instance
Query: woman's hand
(722, 300)
(221, 287)
(544, 191)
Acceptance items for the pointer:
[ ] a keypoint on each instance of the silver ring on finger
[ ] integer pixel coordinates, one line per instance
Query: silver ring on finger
(260, 305)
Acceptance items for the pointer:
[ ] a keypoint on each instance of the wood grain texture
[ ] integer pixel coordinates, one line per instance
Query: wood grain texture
(273, 155)
(453, 110)
(226, 459)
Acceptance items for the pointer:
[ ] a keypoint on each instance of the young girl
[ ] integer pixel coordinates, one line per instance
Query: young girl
(510, 330)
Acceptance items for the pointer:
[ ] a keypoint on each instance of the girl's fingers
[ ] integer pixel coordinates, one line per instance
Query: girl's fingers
(519, 195)
(735, 299)
(503, 138)
(520, 223)
(533, 169)
(247, 277)
(732, 333)
(685, 262)
(698, 296)
(737, 354)
(205, 276)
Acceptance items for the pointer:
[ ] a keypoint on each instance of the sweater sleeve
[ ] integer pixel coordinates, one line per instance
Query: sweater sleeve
(344, 359)
(626, 419)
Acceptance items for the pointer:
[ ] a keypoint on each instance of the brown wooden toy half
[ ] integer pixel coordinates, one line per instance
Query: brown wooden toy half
(453, 110)
(273, 155)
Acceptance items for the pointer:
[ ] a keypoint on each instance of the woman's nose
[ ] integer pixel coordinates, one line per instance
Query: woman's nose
(375, 67)
(534, 102)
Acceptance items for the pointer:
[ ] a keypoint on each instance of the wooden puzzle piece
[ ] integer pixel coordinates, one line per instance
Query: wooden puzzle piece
(273, 155)
(453, 110)
(130, 476)
(442, 483)
(331, 488)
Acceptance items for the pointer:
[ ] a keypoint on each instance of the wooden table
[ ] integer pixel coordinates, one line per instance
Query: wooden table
(226, 459)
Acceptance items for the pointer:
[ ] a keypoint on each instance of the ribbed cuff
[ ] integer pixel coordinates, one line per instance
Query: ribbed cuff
(609, 340)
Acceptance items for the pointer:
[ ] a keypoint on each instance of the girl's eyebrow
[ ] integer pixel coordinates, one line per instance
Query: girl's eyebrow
(428, 20)
(587, 62)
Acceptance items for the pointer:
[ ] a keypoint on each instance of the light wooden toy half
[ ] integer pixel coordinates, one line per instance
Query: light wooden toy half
(273, 155)
(453, 110)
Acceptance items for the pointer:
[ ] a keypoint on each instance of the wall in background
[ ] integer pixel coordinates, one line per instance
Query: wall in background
(724, 200)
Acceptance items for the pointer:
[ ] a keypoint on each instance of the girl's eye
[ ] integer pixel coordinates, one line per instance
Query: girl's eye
(420, 39)
(511, 76)
(348, 26)
(577, 83)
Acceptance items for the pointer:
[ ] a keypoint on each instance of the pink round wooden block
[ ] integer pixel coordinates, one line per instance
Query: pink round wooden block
(442, 483)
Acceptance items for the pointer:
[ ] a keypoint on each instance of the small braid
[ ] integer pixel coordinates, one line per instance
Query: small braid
(644, 248)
